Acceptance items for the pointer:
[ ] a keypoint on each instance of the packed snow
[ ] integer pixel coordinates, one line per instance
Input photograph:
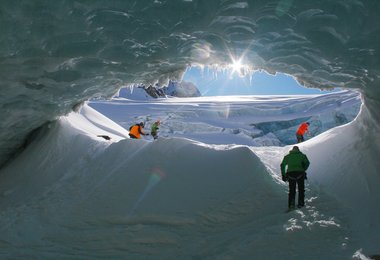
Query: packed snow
(72, 193)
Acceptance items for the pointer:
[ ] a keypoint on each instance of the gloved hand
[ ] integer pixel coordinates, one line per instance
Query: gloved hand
(305, 177)
(284, 178)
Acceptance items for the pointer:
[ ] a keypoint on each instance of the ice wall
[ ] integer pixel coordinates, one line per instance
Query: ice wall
(55, 54)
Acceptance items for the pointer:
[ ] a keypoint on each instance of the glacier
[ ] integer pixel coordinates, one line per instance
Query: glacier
(56, 55)
(264, 120)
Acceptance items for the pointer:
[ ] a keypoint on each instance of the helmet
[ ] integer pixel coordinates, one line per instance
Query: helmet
(142, 124)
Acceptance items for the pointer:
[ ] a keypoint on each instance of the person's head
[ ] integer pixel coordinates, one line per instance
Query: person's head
(158, 122)
(307, 123)
(141, 124)
(296, 148)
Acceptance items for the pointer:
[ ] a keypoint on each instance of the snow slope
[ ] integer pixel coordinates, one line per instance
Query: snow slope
(176, 198)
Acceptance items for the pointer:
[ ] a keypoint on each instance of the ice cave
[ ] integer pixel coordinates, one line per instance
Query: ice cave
(64, 194)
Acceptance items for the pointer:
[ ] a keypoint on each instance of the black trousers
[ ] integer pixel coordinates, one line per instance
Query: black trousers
(296, 179)
(300, 138)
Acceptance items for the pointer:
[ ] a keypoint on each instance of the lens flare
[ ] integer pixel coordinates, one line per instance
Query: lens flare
(224, 111)
(156, 176)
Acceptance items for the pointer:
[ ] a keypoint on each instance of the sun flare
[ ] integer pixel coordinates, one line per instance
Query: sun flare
(236, 65)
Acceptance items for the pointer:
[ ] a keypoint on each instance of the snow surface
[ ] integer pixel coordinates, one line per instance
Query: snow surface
(247, 120)
(72, 194)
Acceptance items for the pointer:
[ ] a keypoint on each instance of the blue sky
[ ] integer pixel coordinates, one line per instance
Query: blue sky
(212, 83)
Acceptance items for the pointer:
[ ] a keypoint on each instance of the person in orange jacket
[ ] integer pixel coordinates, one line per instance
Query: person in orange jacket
(302, 129)
(136, 130)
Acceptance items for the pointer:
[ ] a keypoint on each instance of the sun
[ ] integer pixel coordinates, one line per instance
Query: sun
(236, 66)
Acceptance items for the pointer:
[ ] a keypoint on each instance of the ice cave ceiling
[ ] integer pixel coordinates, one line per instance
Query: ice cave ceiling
(56, 54)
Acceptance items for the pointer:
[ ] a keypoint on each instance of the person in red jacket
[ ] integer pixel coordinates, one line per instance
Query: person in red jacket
(136, 130)
(302, 129)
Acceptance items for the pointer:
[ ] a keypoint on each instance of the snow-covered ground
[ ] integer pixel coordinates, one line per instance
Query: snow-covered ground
(246, 120)
(206, 189)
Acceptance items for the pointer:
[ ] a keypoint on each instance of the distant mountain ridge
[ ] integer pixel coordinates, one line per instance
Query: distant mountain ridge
(174, 89)
(181, 89)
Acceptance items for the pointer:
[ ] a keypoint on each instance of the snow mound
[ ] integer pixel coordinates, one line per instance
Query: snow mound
(172, 198)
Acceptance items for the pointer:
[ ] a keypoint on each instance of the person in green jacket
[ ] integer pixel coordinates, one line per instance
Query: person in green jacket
(154, 129)
(293, 169)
